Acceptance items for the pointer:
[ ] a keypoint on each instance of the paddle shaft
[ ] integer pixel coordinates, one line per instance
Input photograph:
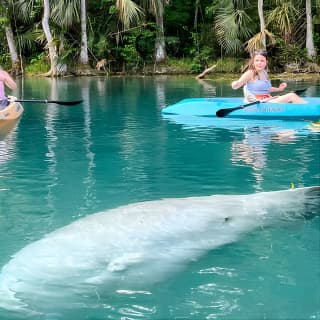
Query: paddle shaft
(67, 103)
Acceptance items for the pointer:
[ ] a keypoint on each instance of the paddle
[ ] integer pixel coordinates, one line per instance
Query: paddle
(224, 112)
(66, 103)
(300, 91)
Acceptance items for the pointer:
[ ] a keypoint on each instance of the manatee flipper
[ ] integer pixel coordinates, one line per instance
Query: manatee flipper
(116, 265)
(123, 262)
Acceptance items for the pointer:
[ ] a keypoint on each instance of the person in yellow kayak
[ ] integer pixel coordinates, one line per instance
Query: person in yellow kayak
(5, 80)
(256, 83)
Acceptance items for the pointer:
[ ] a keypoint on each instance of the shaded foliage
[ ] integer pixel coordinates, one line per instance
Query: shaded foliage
(200, 30)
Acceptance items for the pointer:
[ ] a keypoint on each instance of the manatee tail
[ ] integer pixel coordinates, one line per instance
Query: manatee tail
(311, 202)
(295, 203)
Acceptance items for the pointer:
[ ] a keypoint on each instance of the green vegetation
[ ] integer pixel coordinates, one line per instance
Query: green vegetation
(145, 36)
(38, 64)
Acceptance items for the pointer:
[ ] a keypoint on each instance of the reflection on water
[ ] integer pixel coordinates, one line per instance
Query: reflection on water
(89, 179)
(252, 148)
(52, 113)
(251, 139)
(208, 87)
(249, 154)
(6, 126)
(160, 91)
(8, 137)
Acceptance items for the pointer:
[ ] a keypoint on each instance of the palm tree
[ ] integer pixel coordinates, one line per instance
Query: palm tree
(283, 16)
(53, 54)
(157, 8)
(196, 12)
(262, 24)
(259, 41)
(232, 25)
(25, 12)
(84, 40)
(15, 61)
(5, 11)
(309, 35)
(68, 12)
(130, 12)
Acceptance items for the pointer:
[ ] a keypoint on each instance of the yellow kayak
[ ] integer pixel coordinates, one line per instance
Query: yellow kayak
(12, 112)
(9, 117)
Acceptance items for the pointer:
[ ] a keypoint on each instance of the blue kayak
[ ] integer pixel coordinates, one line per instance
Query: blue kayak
(207, 107)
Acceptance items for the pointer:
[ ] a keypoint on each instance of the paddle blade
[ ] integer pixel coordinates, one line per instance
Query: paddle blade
(66, 103)
(300, 91)
(224, 112)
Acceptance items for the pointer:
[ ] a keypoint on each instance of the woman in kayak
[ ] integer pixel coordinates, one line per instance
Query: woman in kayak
(257, 85)
(5, 79)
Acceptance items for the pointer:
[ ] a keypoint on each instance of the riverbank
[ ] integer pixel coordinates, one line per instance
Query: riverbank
(284, 76)
(227, 68)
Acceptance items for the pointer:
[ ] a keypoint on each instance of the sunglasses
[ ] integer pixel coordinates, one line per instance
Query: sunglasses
(260, 52)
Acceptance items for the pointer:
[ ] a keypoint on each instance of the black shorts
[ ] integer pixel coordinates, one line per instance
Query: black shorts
(3, 103)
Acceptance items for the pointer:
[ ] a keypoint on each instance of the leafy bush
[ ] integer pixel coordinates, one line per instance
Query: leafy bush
(5, 61)
(182, 65)
(38, 64)
(229, 65)
(173, 44)
(287, 54)
(145, 44)
(129, 53)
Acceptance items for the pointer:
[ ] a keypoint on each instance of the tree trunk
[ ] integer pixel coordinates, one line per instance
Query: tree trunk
(196, 12)
(160, 47)
(262, 24)
(84, 42)
(15, 62)
(51, 46)
(309, 36)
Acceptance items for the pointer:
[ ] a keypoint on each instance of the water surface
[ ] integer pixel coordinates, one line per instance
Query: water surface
(62, 163)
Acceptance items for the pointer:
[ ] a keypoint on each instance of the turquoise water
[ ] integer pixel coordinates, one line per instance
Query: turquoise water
(62, 163)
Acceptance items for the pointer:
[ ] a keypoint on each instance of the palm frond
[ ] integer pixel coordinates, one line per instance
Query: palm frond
(256, 42)
(66, 12)
(231, 28)
(283, 16)
(129, 12)
(28, 39)
(25, 9)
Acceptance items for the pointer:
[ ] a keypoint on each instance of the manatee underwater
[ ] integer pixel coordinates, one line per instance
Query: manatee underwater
(135, 245)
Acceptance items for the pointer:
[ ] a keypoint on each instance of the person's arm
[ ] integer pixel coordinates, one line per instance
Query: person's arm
(247, 76)
(8, 81)
(281, 87)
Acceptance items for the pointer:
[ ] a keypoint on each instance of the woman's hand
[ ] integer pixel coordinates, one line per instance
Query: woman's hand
(234, 85)
(282, 86)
